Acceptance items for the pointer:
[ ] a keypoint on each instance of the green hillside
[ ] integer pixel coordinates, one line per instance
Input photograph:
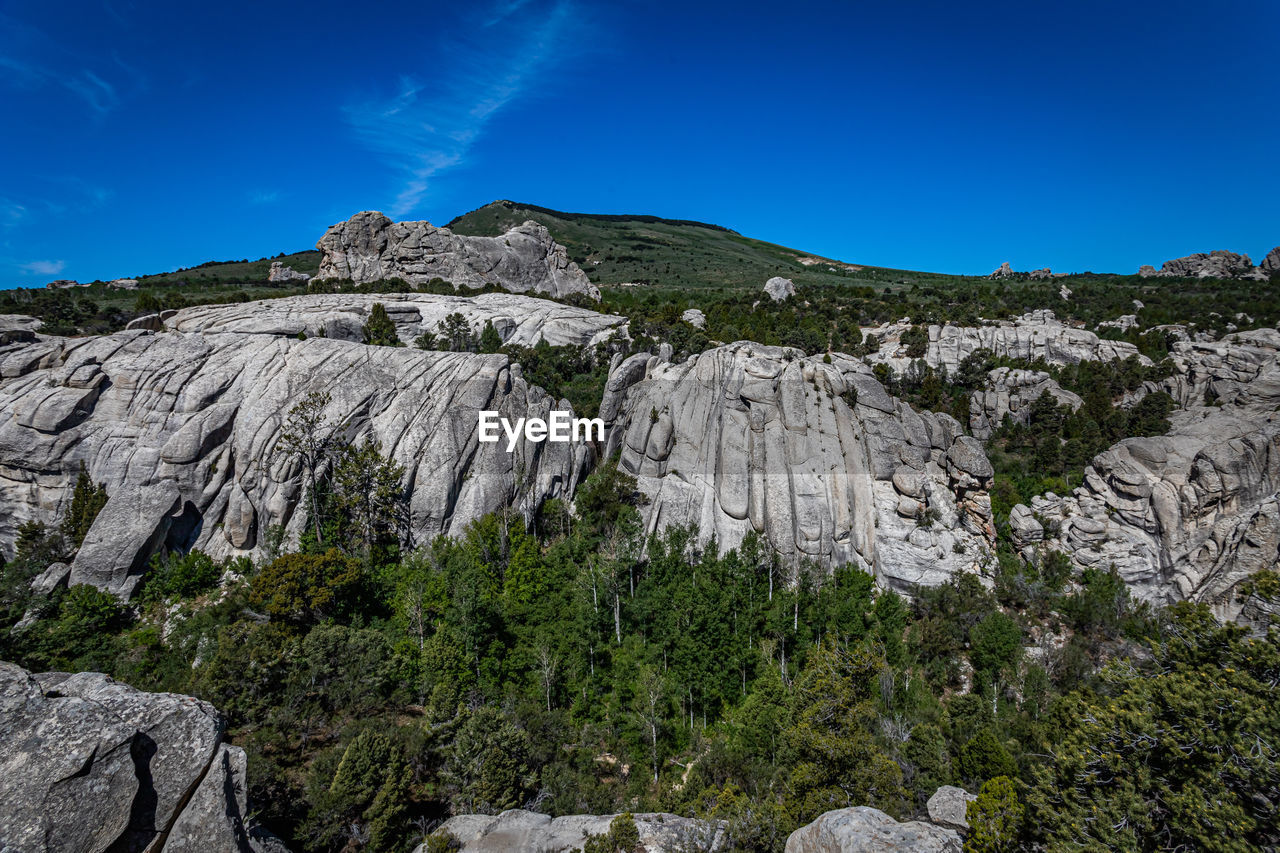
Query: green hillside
(673, 253)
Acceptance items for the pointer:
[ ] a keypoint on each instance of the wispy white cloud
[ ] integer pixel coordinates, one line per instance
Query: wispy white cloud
(43, 267)
(30, 59)
(427, 128)
(11, 213)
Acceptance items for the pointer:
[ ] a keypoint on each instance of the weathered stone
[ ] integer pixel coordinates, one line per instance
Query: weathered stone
(184, 434)
(519, 320)
(370, 247)
(1011, 391)
(215, 820)
(695, 318)
(1216, 264)
(280, 272)
(1271, 263)
(520, 830)
(947, 807)
(747, 437)
(866, 830)
(780, 289)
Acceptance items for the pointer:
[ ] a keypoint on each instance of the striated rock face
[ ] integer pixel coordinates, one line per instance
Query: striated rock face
(370, 247)
(90, 765)
(814, 456)
(1188, 515)
(17, 328)
(1010, 391)
(183, 430)
(1225, 370)
(780, 289)
(280, 272)
(1217, 264)
(520, 320)
(1271, 263)
(1036, 335)
(519, 830)
(866, 830)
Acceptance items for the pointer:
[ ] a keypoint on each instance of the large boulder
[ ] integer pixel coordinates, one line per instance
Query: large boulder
(948, 807)
(1271, 263)
(370, 247)
(184, 431)
(810, 452)
(280, 272)
(89, 765)
(863, 829)
(519, 320)
(520, 830)
(780, 289)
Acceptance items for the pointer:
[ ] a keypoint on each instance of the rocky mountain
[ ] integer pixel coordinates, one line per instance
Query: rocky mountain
(91, 765)
(370, 247)
(183, 430)
(810, 452)
(1216, 264)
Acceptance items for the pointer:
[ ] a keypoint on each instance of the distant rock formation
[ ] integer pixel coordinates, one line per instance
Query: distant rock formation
(816, 457)
(1009, 391)
(123, 284)
(1004, 271)
(866, 830)
(519, 320)
(64, 283)
(280, 272)
(1037, 334)
(695, 318)
(520, 830)
(1188, 515)
(1216, 264)
(72, 775)
(183, 430)
(780, 289)
(370, 247)
(1271, 263)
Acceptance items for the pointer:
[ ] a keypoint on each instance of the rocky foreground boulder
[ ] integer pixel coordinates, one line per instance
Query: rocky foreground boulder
(1038, 334)
(184, 431)
(370, 247)
(519, 320)
(810, 452)
(89, 765)
(866, 830)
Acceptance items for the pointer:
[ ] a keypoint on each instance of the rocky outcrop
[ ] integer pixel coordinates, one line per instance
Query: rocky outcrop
(1185, 516)
(1271, 263)
(184, 431)
(1222, 370)
(1004, 271)
(1036, 335)
(519, 320)
(695, 318)
(780, 289)
(370, 247)
(866, 830)
(813, 455)
(1216, 264)
(91, 765)
(123, 284)
(1010, 391)
(18, 328)
(520, 830)
(280, 272)
(948, 807)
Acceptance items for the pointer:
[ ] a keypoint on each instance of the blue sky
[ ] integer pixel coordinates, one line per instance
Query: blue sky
(141, 137)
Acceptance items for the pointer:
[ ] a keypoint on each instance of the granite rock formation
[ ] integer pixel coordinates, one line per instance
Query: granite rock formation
(1010, 391)
(1221, 370)
(519, 830)
(866, 830)
(780, 289)
(694, 317)
(280, 272)
(1271, 263)
(1185, 516)
(370, 247)
(816, 457)
(91, 765)
(183, 430)
(519, 320)
(1216, 264)
(1038, 334)
(948, 807)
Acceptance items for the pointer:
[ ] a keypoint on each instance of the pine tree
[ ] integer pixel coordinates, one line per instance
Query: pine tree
(379, 330)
